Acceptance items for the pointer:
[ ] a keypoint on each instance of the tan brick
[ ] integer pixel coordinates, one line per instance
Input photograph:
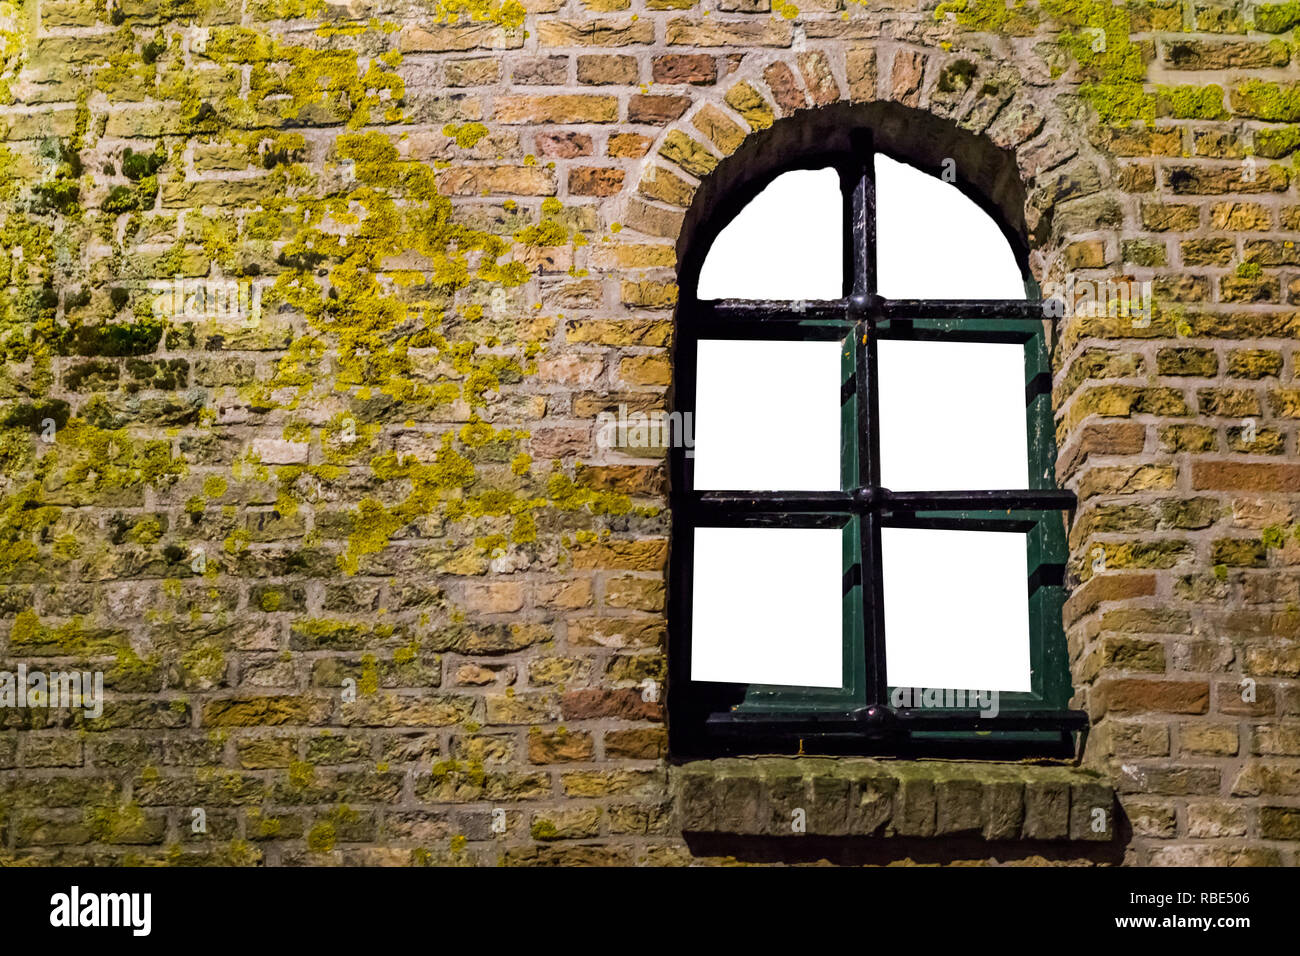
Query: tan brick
(507, 180)
(628, 145)
(565, 145)
(560, 108)
(596, 33)
(906, 75)
(729, 33)
(662, 184)
(818, 77)
(645, 370)
(459, 37)
(598, 70)
(595, 180)
(721, 131)
(1142, 695)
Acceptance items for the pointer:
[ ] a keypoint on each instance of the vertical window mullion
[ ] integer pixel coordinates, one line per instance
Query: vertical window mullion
(861, 281)
(869, 530)
(860, 217)
(877, 692)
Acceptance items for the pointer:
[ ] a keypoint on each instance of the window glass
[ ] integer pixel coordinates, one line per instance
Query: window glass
(786, 244)
(932, 242)
(956, 613)
(767, 416)
(952, 416)
(767, 606)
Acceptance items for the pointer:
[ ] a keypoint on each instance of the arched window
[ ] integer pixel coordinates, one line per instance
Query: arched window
(869, 546)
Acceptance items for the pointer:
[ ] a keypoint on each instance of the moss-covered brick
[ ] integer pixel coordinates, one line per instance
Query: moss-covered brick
(860, 797)
(1187, 361)
(36, 416)
(265, 711)
(749, 103)
(1193, 513)
(1254, 363)
(307, 322)
(164, 374)
(1221, 55)
(1230, 402)
(688, 153)
(1194, 438)
(1239, 552)
(1265, 100)
(132, 338)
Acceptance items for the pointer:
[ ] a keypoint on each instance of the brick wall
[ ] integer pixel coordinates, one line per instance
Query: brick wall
(307, 314)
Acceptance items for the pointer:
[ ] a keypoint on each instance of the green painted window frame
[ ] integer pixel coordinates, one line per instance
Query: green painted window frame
(858, 717)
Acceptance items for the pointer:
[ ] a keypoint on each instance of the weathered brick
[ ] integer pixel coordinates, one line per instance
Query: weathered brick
(365, 548)
(594, 33)
(656, 110)
(560, 108)
(695, 68)
(1137, 694)
(601, 69)
(595, 181)
(564, 145)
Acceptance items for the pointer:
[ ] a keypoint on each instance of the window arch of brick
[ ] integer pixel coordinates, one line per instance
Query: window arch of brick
(708, 717)
(813, 139)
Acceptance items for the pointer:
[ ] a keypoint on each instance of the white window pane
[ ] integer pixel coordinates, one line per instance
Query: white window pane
(767, 606)
(935, 243)
(786, 244)
(952, 416)
(767, 416)
(956, 609)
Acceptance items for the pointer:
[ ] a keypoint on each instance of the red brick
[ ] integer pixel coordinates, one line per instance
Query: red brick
(1245, 476)
(785, 87)
(658, 110)
(624, 703)
(698, 68)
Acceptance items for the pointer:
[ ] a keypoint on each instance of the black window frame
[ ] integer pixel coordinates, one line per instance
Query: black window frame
(714, 718)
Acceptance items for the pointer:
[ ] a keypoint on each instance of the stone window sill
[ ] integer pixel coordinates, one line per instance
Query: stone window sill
(760, 796)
